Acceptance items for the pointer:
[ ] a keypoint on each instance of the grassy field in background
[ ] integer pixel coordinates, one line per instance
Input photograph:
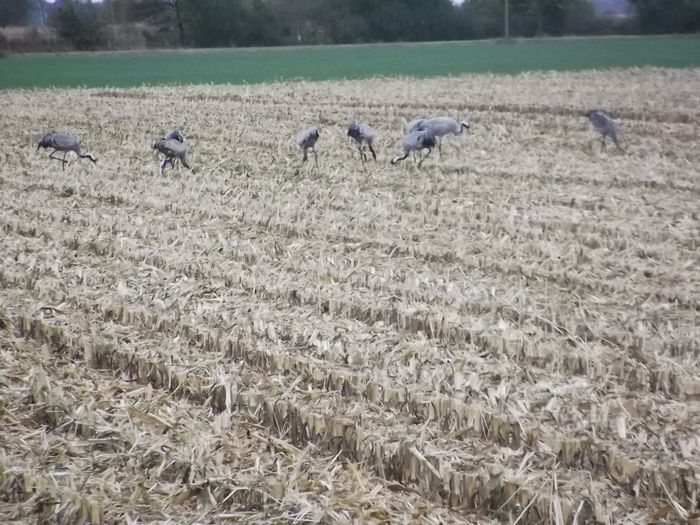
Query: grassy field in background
(125, 69)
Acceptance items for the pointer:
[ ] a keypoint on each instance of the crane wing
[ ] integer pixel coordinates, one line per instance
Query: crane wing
(64, 142)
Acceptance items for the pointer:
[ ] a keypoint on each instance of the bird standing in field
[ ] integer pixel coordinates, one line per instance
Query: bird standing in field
(174, 148)
(605, 125)
(416, 141)
(440, 126)
(65, 143)
(362, 134)
(306, 140)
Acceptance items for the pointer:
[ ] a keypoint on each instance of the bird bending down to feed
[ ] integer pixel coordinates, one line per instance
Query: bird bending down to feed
(416, 141)
(174, 148)
(362, 134)
(65, 143)
(604, 125)
(440, 126)
(307, 141)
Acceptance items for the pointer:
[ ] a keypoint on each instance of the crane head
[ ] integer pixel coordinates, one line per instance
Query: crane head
(353, 129)
(44, 142)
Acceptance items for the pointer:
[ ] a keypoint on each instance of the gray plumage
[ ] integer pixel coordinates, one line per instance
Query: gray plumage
(605, 125)
(416, 141)
(174, 148)
(306, 140)
(363, 135)
(176, 135)
(415, 125)
(440, 126)
(64, 143)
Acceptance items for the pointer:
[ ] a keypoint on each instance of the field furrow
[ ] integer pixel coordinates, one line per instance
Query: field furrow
(508, 334)
(435, 472)
(445, 324)
(547, 260)
(509, 430)
(142, 428)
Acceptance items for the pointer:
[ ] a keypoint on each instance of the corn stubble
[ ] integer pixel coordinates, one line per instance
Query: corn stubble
(508, 334)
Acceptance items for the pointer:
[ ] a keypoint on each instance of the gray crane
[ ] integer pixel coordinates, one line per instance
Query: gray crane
(440, 126)
(416, 141)
(605, 125)
(174, 148)
(65, 143)
(362, 134)
(306, 140)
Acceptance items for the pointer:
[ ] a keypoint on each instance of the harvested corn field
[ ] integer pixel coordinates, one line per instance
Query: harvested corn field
(508, 334)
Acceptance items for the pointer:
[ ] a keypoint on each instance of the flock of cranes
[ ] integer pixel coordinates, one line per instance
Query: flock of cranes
(420, 134)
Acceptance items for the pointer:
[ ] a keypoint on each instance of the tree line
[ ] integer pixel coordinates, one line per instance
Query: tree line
(222, 23)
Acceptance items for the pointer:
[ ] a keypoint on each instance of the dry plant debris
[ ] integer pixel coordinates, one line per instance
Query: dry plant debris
(507, 335)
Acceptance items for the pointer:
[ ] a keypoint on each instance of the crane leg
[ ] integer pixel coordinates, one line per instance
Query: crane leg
(439, 141)
(315, 158)
(374, 153)
(426, 156)
(363, 155)
(63, 160)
